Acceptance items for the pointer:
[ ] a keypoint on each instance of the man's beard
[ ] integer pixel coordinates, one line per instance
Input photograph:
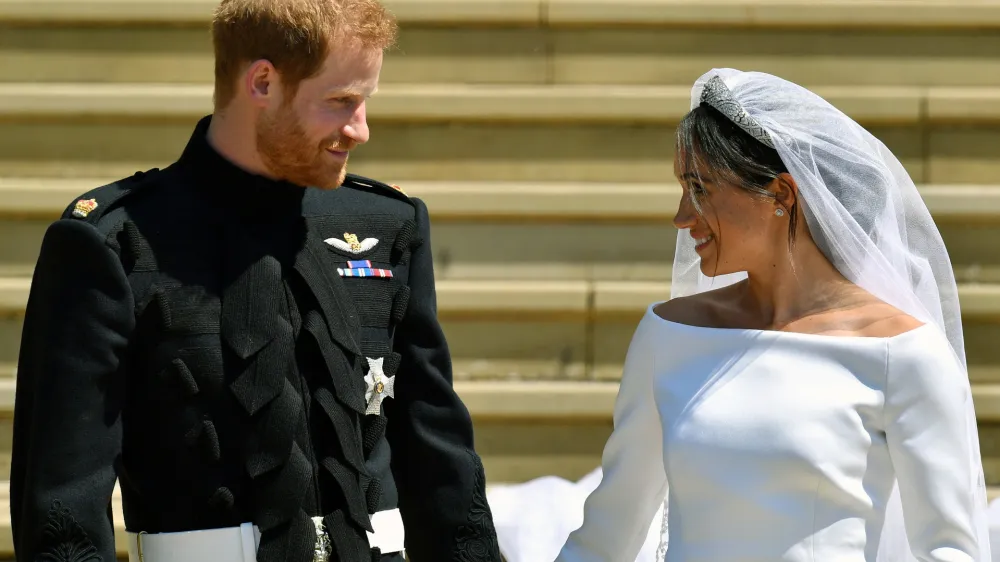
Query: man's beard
(288, 155)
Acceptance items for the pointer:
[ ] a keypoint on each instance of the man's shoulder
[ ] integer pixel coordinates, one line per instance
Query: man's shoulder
(367, 208)
(98, 205)
(376, 188)
(375, 196)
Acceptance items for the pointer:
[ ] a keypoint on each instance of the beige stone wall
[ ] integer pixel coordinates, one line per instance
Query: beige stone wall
(540, 135)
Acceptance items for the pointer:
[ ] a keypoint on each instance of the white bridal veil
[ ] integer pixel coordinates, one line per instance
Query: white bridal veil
(864, 211)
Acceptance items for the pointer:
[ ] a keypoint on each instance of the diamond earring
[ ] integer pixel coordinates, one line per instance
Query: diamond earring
(779, 212)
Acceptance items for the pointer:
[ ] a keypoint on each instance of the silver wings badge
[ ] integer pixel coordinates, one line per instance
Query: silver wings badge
(351, 244)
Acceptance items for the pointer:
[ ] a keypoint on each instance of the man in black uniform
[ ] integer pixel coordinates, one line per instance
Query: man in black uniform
(259, 364)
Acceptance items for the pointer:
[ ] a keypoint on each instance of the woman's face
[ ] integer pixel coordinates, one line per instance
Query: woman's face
(736, 231)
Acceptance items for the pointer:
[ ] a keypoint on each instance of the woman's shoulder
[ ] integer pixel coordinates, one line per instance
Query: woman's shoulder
(862, 316)
(891, 325)
(921, 365)
(874, 319)
(920, 348)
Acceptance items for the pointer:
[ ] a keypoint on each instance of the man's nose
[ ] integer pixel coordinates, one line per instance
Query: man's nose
(357, 128)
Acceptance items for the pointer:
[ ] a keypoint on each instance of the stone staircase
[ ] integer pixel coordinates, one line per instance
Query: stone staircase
(540, 134)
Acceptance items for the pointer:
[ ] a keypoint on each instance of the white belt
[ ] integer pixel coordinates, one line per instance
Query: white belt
(239, 544)
(388, 536)
(232, 544)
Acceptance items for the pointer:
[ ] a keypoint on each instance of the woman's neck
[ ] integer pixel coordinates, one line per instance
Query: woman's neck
(797, 284)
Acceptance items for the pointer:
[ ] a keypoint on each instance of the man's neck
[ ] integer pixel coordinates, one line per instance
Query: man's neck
(235, 140)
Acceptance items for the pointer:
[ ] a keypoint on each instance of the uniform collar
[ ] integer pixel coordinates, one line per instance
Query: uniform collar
(237, 188)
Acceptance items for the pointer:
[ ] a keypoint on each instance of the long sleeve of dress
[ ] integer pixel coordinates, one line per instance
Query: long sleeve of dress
(67, 411)
(929, 438)
(618, 513)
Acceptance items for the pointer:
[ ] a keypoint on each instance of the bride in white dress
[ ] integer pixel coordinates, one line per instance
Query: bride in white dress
(804, 392)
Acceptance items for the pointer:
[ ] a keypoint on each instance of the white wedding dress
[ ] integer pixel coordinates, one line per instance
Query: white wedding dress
(783, 446)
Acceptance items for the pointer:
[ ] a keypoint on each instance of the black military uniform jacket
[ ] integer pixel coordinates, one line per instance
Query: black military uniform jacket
(195, 332)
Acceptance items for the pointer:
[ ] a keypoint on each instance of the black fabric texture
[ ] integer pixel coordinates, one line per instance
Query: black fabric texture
(192, 338)
(62, 470)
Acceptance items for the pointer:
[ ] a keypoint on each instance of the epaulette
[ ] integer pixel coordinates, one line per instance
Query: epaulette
(374, 186)
(94, 204)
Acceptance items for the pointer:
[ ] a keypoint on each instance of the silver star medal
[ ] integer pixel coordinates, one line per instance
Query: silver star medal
(379, 386)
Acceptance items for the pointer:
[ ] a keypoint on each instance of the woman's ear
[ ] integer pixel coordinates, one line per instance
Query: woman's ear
(786, 192)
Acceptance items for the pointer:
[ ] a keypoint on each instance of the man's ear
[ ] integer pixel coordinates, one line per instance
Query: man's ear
(262, 83)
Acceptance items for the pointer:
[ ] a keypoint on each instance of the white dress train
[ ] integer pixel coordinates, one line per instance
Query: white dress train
(534, 519)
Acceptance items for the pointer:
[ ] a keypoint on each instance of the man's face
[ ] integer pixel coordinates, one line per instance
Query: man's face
(306, 139)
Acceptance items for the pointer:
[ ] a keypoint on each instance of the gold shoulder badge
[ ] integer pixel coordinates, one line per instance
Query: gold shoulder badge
(397, 188)
(84, 207)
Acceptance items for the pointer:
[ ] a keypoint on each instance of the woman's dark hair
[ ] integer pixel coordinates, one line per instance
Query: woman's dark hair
(707, 140)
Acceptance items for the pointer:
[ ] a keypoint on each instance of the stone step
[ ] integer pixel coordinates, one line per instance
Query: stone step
(516, 202)
(484, 136)
(181, 12)
(961, 14)
(659, 52)
(777, 13)
(487, 103)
